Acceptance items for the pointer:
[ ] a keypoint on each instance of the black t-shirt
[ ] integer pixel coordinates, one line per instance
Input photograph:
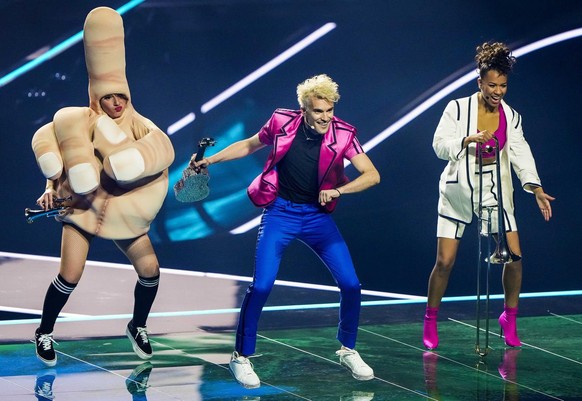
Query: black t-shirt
(298, 180)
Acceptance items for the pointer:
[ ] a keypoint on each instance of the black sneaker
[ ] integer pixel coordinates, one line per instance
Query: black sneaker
(43, 390)
(139, 341)
(137, 382)
(44, 348)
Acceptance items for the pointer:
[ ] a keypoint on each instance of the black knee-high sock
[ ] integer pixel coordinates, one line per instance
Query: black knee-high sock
(55, 299)
(144, 296)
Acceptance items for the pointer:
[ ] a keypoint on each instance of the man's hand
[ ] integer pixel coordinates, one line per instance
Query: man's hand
(328, 195)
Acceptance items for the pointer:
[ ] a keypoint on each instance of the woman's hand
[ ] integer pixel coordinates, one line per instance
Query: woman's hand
(480, 137)
(46, 200)
(543, 200)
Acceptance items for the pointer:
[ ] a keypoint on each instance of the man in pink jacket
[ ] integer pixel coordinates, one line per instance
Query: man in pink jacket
(299, 187)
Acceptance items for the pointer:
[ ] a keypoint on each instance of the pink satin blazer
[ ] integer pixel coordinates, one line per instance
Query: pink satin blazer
(338, 143)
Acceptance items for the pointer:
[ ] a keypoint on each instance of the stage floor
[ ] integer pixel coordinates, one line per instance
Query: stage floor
(192, 326)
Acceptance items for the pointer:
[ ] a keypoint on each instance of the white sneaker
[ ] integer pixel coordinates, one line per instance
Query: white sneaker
(242, 370)
(352, 360)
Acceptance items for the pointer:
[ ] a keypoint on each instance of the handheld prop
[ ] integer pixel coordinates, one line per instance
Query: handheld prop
(193, 186)
(60, 208)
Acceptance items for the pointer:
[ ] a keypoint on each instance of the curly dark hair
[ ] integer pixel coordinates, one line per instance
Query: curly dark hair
(494, 56)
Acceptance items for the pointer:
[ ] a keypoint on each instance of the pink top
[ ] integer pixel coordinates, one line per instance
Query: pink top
(500, 133)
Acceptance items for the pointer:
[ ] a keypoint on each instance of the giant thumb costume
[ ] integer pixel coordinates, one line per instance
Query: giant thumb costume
(116, 169)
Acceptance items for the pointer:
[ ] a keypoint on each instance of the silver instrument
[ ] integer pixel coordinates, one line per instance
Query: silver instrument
(60, 206)
(502, 253)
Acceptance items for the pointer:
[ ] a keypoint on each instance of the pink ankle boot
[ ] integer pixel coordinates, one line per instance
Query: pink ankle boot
(430, 336)
(508, 323)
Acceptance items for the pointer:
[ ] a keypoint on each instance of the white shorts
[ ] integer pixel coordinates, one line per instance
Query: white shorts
(447, 228)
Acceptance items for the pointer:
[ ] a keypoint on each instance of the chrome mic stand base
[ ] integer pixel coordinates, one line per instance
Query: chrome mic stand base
(482, 352)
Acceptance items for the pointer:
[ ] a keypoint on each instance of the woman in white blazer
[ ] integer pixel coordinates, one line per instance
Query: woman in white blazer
(466, 124)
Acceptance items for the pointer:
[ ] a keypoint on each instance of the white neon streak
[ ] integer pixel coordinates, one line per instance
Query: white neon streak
(523, 342)
(247, 226)
(181, 123)
(552, 40)
(424, 106)
(462, 81)
(400, 298)
(431, 101)
(246, 81)
(34, 311)
(281, 58)
(565, 318)
(220, 276)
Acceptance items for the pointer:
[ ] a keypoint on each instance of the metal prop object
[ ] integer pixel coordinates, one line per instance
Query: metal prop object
(193, 186)
(60, 206)
(502, 253)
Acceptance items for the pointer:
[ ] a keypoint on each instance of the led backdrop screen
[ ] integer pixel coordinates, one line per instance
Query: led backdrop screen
(218, 69)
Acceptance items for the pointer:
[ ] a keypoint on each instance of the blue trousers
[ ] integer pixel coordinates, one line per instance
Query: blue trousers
(282, 222)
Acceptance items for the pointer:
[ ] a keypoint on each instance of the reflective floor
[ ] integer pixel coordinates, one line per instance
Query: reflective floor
(297, 345)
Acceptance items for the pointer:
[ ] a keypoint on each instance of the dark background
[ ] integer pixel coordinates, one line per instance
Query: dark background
(387, 56)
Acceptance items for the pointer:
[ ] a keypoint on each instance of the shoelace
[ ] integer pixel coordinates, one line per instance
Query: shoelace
(245, 360)
(46, 340)
(142, 333)
(353, 356)
(346, 352)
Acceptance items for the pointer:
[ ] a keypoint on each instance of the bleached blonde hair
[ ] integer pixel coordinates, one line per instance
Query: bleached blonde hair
(320, 86)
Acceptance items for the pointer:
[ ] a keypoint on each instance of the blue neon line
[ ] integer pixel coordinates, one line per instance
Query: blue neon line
(128, 6)
(289, 307)
(61, 47)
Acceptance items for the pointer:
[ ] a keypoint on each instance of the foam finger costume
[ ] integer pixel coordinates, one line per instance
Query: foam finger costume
(116, 169)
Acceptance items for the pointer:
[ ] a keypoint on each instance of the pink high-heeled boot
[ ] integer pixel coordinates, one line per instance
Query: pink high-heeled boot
(508, 323)
(430, 336)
